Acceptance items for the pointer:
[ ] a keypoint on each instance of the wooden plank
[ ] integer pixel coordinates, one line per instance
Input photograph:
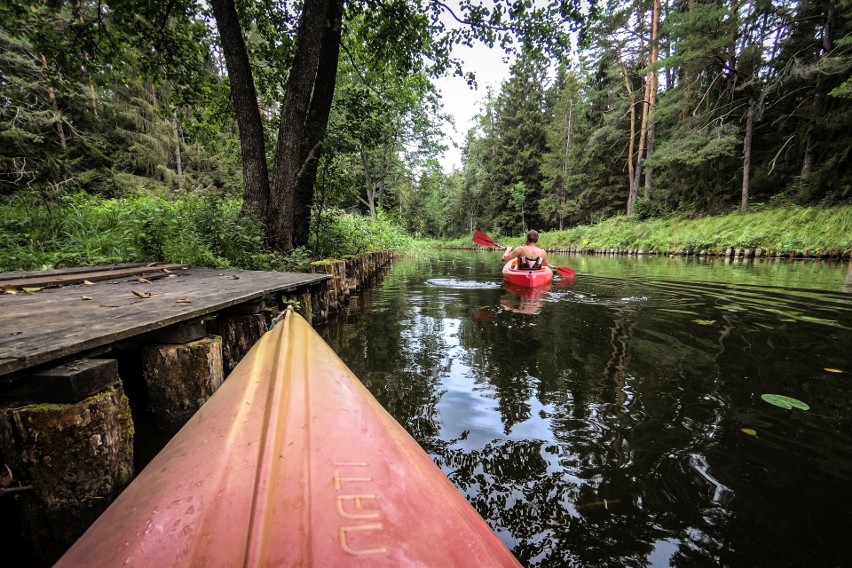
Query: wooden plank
(68, 270)
(80, 277)
(58, 322)
(72, 382)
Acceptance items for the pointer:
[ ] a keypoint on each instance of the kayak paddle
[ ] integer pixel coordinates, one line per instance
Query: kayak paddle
(481, 238)
(565, 272)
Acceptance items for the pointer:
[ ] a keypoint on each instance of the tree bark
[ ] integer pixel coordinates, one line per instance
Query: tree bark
(244, 94)
(649, 101)
(57, 114)
(298, 92)
(633, 190)
(747, 153)
(315, 128)
(84, 67)
(178, 161)
(370, 202)
(561, 196)
(652, 91)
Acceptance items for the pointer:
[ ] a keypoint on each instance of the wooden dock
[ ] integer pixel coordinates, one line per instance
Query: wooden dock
(99, 366)
(77, 311)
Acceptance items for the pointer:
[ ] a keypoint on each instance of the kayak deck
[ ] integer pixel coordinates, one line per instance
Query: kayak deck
(292, 462)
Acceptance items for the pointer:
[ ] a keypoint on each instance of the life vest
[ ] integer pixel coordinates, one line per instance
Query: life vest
(525, 263)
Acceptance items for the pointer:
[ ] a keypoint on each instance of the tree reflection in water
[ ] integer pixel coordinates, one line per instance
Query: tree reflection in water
(604, 426)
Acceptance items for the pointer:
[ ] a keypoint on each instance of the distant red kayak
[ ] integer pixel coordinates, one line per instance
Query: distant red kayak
(292, 462)
(526, 278)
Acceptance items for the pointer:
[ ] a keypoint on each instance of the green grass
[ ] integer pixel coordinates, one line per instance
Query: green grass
(817, 230)
(202, 230)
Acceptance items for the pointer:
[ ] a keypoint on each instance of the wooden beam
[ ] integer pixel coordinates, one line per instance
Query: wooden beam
(79, 277)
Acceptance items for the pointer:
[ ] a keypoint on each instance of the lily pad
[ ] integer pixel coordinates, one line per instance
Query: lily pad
(784, 401)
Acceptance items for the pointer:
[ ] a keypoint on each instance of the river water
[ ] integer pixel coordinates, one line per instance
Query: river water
(619, 420)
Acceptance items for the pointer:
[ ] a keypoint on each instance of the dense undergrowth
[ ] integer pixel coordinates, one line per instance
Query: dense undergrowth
(790, 229)
(202, 230)
(205, 230)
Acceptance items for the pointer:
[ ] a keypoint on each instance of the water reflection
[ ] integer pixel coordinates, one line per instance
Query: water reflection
(523, 300)
(608, 423)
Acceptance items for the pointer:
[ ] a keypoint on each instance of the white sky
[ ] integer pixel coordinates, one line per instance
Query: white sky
(463, 103)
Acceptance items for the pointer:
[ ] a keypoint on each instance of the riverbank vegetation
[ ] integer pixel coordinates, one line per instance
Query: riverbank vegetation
(202, 230)
(232, 133)
(814, 231)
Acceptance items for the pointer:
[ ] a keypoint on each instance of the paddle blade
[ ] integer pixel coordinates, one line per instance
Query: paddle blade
(481, 238)
(565, 272)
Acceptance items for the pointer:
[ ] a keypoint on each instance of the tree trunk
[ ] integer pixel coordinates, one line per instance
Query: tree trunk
(370, 193)
(826, 46)
(649, 101)
(649, 172)
(652, 90)
(747, 153)
(252, 146)
(633, 190)
(561, 197)
(84, 67)
(294, 110)
(315, 128)
(178, 161)
(57, 114)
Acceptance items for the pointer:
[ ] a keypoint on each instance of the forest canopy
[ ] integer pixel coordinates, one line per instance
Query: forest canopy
(304, 111)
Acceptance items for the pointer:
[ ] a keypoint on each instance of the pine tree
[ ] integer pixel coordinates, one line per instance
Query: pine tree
(521, 143)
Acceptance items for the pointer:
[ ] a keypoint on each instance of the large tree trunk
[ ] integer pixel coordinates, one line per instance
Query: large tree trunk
(252, 146)
(300, 85)
(312, 146)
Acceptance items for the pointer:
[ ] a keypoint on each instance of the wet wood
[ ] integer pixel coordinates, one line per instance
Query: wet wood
(74, 381)
(180, 378)
(158, 324)
(239, 333)
(78, 277)
(75, 457)
(56, 323)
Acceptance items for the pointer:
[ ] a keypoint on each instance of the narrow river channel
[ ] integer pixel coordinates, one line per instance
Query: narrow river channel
(619, 420)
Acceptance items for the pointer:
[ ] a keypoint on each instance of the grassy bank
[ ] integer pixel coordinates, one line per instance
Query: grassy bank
(202, 230)
(813, 231)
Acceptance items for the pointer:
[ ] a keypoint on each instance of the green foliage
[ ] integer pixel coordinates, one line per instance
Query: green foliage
(336, 234)
(787, 229)
(129, 100)
(80, 229)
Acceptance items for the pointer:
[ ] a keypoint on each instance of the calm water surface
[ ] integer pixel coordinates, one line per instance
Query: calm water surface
(618, 420)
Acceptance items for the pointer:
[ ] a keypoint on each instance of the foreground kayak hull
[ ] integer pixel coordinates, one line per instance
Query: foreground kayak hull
(526, 278)
(292, 462)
